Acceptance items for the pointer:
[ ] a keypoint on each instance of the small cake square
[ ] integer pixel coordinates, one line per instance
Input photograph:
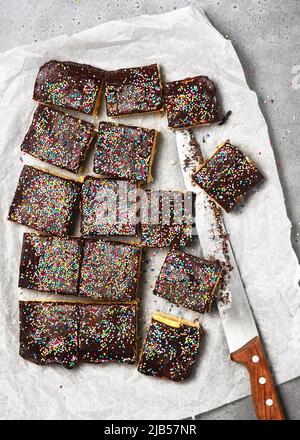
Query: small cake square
(69, 85)
(227, 176)
(188, 281)
(125, 151)
(110, 270)
(58, 139)
(50, 264)
(109, 207)
(48, 332)
(44, 202)
(107, 333)
(170, 348)
(191, 102)
(133, 90)
(167, 218)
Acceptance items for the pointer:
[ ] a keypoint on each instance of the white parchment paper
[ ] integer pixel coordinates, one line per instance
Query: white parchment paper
(184, 43)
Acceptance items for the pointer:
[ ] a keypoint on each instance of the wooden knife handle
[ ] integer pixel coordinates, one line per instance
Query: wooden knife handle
(265, 399)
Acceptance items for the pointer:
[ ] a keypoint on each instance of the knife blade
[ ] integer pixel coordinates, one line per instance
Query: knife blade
(235, 312)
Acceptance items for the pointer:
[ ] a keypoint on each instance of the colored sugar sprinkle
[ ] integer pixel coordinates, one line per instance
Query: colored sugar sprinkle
(69, 85)
(124, 151)
(110, 270)
(109, 207)
(191, 102)
(133, 90)
(188, 281)
(227, 176)
(168, 351)
(107, 333)
(167, 218)
(44, 202)
(57, 138)
(49, 333)
(50, 264)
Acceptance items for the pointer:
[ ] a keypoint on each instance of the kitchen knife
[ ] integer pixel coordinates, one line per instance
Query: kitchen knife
(244, 342)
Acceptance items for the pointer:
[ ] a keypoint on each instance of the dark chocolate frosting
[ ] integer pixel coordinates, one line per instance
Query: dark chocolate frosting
(124, 151)
(110, 270)
(109, 207)
(44, 201)
(188, 281)
(133, 90)
(227, 176)
(169, 220)
(170, 352)
(191, 102)
(50, 264)
(66, 333)
(57, 138)
(70, 85)
(107, 333)
(49, 332)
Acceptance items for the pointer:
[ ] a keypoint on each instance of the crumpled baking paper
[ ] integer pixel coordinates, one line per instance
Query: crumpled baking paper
(184, 43)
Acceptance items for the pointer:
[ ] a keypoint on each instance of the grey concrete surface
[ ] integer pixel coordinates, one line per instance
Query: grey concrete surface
(266, 35)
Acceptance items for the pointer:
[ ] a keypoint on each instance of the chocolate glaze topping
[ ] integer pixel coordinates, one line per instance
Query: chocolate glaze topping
(57, 138)
(69, 85)
(108, 207)
(107, 333)
(124, 151)
(168, 221)
(49, 332)
(67, 332)
(133, 90)
(170, 352)
(191, 102)
(44, 202)
(110, 270)
(227, 176)
(188, 281)
(50, 264)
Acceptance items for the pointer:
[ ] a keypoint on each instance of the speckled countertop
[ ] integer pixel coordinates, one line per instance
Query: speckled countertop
(266, 36)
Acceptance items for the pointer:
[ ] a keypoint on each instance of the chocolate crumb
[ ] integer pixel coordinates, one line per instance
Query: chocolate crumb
(226, 117)
(220, 234)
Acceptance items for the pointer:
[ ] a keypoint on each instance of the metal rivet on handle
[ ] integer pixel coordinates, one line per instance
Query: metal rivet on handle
(255, 359)
(262, 380)
(269, 402)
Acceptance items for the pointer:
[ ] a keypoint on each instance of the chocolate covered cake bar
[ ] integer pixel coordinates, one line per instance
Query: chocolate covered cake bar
(109, 207)
(44, 201)
(167, 218)
(188, 281)
(133, 90)
(170, 347)
(227, 176)
(57, 138)
(50, 264)
(124, 151)
(49, 332)
(69, 85)
(110, 270)
(191, 102)
(108, 333)
(70, 332)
